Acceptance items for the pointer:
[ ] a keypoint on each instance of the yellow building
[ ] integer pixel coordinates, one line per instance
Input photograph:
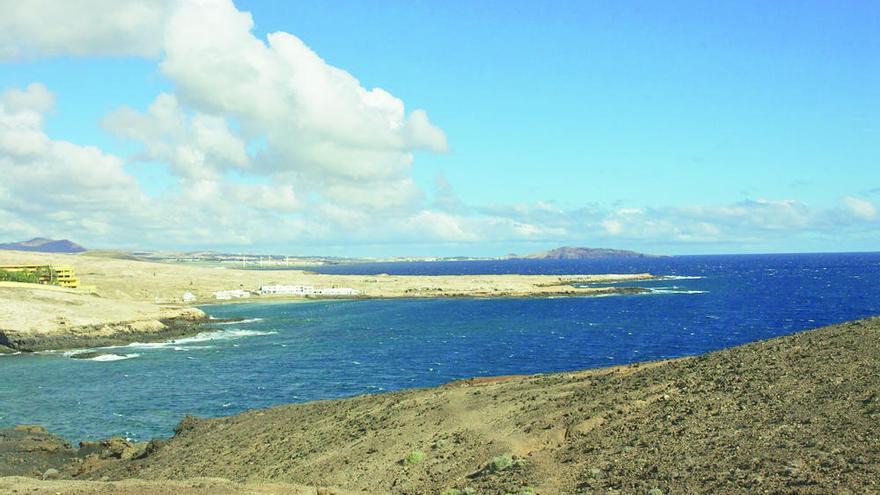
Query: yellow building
(62, 275)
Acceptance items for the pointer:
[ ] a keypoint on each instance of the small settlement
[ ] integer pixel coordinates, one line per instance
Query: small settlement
(287, 290)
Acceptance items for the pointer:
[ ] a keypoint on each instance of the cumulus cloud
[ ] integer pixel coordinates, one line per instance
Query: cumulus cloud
(320, 124)
(196, 147)
(35, 98)
(67, 186)
(861, 208)
(39, 28)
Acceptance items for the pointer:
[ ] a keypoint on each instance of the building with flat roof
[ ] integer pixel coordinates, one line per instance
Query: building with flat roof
(62, 275)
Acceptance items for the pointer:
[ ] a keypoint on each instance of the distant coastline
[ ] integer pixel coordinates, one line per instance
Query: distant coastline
(133, 300)
(580, 253)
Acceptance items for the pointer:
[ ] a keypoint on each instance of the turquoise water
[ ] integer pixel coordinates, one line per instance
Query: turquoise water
(290, 352)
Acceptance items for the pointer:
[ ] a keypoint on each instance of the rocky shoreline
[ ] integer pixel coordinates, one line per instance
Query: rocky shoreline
(189, 322)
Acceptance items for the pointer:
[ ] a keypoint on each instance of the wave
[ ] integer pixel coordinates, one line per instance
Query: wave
(177, 344)
(676, 291)
(679, 277)
(231, 334)
(239, 322)
(113, 357)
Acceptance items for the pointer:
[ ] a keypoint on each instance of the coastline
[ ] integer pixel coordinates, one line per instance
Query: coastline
(128, 301)
(103, 335)
(192, 321)
(792, 414)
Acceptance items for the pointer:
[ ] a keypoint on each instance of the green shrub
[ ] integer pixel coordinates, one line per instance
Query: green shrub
(503, 462)
(500, 463)
(414, 457)
(23, 277)
(456, 491)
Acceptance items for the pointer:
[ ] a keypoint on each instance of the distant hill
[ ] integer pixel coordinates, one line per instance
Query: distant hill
(582, 253)
(43, 245)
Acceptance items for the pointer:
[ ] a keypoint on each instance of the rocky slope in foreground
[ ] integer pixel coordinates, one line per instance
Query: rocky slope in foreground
(796, 414)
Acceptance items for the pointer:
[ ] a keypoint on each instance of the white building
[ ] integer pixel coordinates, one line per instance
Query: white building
(287, 290)
(231, 294)
(188, 297)
(305, 290)
(336, 291)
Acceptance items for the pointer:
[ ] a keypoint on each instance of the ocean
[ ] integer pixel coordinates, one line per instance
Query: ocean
(301, 351)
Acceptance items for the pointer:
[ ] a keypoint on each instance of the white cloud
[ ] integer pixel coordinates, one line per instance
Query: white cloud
(57, 183)
(35, 98)
(38, 28)
(319, 122)
(196, 147)
(860, 208)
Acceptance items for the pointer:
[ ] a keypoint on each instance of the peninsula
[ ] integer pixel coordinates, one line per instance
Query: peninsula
(122, 300)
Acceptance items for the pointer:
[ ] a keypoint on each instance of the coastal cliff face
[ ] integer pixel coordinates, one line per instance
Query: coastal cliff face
(186, 322)
(796, 414)
(39, 317)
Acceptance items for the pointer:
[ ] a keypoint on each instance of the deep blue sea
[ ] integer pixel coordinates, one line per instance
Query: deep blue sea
(291, 352)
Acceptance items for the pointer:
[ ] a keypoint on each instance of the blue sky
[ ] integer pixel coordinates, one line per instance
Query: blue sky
(681, 127)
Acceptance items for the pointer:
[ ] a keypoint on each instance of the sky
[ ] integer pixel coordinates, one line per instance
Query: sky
(379, 128)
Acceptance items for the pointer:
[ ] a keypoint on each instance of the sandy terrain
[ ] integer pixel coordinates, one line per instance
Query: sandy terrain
(43, 309)
(166, 282)
(797, 414)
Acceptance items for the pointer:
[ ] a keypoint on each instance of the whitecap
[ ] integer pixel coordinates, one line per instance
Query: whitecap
(239, 322)
(113, 357)
(662, 291)
(231, 334)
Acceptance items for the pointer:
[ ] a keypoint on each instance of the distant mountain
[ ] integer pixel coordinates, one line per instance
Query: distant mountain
(582, 253)
(43, 245)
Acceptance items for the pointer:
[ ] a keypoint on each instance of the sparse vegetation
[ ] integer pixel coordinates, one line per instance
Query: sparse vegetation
(414, 457)
(525, 491)
(21, 277)
(456, 491)
(502, 462)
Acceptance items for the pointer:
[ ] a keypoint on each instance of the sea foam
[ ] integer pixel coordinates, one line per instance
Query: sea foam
(112, 357)
(239, 322)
